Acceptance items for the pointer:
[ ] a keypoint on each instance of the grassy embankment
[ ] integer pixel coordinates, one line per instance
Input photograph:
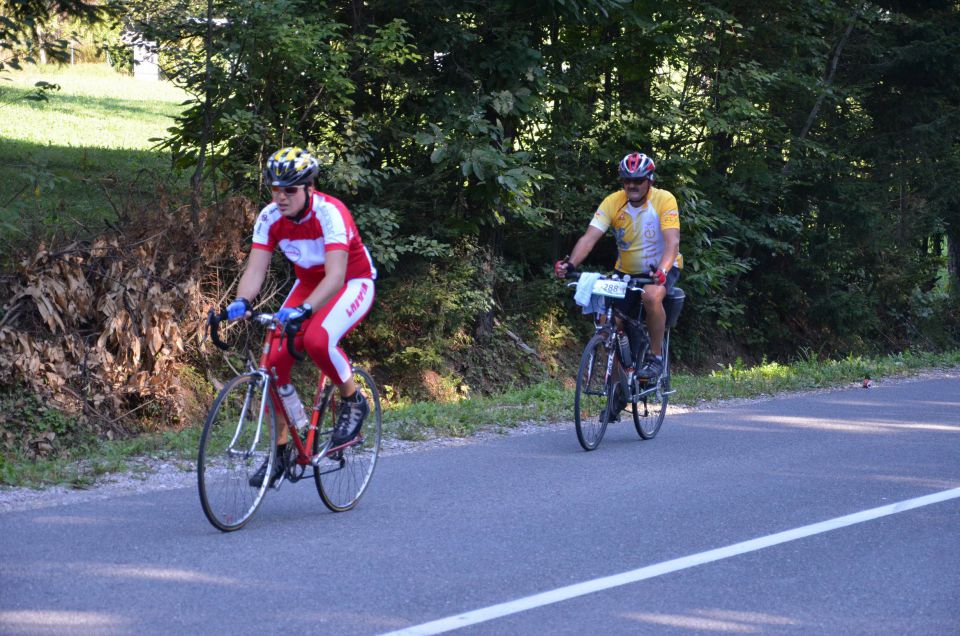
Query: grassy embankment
(91, 140)
(64, 163)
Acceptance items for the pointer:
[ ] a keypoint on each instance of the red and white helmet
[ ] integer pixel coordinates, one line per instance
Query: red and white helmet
(637, 165)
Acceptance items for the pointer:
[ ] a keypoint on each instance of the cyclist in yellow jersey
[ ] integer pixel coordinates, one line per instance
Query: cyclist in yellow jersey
(646, 224)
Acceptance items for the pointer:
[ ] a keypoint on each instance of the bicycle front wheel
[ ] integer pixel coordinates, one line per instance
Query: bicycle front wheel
(590, 412)
(344, 475)
(238, 437)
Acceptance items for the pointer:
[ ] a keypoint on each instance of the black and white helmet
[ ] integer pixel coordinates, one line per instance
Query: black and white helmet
(291, 166)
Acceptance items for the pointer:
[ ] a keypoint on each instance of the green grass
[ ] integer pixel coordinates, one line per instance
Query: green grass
(60, 158)
(545, 402)
(738, 381)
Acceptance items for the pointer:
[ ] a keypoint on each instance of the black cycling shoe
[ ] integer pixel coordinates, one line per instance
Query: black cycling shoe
(278, 467)
(350, 417)
(651, 369)
(620, 403)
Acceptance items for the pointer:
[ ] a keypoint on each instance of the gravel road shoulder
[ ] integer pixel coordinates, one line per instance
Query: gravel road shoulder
(148, 474)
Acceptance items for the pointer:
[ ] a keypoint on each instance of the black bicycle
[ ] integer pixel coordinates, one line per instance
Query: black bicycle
(607, 381)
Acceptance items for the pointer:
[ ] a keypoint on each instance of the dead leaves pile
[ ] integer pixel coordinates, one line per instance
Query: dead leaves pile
(103, 328)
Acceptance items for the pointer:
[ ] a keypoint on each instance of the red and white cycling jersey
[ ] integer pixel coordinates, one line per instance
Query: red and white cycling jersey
(328, 225)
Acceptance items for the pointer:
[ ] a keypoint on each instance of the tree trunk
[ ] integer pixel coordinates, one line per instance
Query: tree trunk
(953, 256)
(489, 260)
(196, 181)
(41, 46)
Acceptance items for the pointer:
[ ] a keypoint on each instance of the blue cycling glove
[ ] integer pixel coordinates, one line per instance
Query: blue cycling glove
(289, 314)
(238, 308)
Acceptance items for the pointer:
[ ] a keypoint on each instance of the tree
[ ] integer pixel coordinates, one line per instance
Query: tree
(486, 133)
(23, 24)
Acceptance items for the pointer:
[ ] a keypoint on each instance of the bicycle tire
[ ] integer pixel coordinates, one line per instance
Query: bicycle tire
(654, 405)
(343, 478)
(593, 393)
(233, 446)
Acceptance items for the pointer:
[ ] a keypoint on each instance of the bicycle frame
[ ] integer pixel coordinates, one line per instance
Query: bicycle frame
(274, 337)
(605, 322)
(243, 402)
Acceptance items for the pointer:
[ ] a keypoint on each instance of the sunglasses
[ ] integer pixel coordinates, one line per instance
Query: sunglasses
(634, 181)
(285, 189)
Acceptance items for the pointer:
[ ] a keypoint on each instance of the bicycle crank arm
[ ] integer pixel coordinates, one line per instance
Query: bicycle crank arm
(327, 450)
(316, 459)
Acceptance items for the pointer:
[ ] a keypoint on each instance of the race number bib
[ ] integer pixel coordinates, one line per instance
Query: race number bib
(610, 288)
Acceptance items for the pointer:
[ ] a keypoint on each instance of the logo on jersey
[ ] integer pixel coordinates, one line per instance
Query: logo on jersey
(620, 234)
(260, 222)
(355, 305)
(291, 251)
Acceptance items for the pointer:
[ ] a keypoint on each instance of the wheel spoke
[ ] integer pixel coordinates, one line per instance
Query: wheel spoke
(343, 477)
(238, 437)
(590, 399)
(649, 413)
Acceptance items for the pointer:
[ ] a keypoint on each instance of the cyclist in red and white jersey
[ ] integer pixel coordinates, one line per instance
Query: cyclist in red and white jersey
(334, 289)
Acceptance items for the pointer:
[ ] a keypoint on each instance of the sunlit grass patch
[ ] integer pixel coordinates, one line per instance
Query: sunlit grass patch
(65, 162)
(737, 380)
(420, 420)
(95, 107)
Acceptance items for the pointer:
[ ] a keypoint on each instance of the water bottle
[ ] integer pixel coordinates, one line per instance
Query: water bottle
(292, 405)
(625, 354)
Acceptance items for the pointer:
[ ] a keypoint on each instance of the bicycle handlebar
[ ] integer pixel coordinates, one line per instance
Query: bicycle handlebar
(265, 319)
(633, 282)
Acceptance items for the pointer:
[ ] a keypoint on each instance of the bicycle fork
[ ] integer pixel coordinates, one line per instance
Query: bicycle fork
(242, 421)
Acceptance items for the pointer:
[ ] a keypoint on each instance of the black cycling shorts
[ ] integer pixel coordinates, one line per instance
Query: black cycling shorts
(632, 303)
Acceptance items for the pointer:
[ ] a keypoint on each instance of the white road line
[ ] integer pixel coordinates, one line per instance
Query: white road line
(588, 587)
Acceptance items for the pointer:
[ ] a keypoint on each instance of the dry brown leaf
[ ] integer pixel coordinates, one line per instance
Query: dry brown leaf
(54, 380)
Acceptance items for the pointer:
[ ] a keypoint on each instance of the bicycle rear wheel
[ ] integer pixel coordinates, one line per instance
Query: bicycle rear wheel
(238, 436)
(649, 412)
(594, 391)
(343, 476)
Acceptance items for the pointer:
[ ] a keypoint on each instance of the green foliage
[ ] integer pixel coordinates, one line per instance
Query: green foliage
(738, 380)
(544, 401)
(33, 30)
(425, 317)
(811, 146)
(31, 430)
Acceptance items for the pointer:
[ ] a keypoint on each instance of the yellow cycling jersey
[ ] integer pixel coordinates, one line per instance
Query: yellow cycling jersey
(638, 230)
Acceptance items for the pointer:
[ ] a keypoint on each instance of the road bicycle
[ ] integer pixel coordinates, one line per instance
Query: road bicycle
(607, 380)
(240, 433)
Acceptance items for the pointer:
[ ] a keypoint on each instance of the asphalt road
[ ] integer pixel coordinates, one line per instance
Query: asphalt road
(495, 533)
